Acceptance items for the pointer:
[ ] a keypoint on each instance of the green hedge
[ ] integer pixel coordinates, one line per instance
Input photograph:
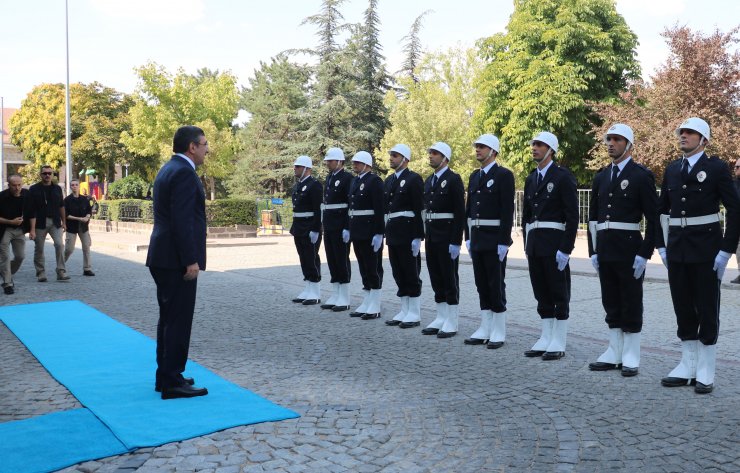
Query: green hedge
(219, 213)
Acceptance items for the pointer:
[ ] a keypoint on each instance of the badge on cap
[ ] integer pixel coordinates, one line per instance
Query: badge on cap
(443, 184)
(362, 186)
(489, 183)
(304, 189)
(403, 183)
(624, 184)
(700, 176)
(550, 186)
(336, 183)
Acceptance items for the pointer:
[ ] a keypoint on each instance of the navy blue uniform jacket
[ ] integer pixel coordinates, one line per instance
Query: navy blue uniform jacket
(404, 194)
(366, 193)
(490, 196)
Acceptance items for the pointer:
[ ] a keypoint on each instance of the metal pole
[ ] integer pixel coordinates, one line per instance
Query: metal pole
(68, 120)
(2, 143)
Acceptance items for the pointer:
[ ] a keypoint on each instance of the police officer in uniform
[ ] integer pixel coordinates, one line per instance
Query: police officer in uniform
(366, 227)
(306, 229)
(694, 250)
(444, 218)
(490, 214)
(404, 230)
(549, 225)
(622, 194)
(335, 219)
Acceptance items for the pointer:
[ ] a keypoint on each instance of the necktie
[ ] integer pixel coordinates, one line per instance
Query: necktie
(539, 178)
(615, 171)
(685, 170)
(434, 180)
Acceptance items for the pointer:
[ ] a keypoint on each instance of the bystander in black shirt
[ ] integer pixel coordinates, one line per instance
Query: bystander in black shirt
(12, 207)
(45, 201)
(77, 207)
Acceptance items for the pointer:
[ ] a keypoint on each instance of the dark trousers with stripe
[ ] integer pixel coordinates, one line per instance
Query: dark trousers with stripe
(370, 263)
(443, 273)
(489, 274)
(406, 269)
(621, 295)
(176, 298)
(551, 287)
(337, 257)
(308, 254)
(695, 294)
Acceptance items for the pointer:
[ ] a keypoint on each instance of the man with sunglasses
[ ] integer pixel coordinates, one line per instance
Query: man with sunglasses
(47, 217)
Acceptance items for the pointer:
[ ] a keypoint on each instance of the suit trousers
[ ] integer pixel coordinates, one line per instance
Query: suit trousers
(621, 295)
(337, 257)
(406, 269)
(85, 241)
(489, 274)
(57, 235)
(13, 240)
(695, 294)
(551, 287)
(370, 263)
(176, 298)
(308, 254)
(443, 273)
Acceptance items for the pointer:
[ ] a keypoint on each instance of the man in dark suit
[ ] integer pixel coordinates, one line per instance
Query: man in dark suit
(47, 217)
(177, 252)
(490, 213)
(622, 194)
(444, 217)
(306, 229)
(335, 220)
(694, 250)
(366, 227)
(549, 226)
(737, 188)
(404, 230)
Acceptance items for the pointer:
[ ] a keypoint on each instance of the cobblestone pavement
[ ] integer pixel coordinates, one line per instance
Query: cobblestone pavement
(377, 398)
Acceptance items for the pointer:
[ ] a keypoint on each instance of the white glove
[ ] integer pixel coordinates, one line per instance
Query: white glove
(454, 252)
(314, 236)
(664, 256)
(720, 263)
(467, 245)
(639, 266)
(377, 242)
(345, 236)
(502, 250)
(415, 247)
(595, 262)
(562, 260)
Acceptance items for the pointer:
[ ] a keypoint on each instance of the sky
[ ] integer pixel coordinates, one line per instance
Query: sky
(109, 38)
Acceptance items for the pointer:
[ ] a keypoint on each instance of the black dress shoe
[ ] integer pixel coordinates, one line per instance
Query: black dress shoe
(340, 308)
(185, 390)
(356, 314)
(673, 382)
(9, 290)
(702, 388)
(188, 381)
(429, 331)
(409, 324)
(370, 316)
(534, 353)
(298, 300)
(311, 301)
(553, 355)
(393, 322)
(88, 273)
(474, 341)
(446, 334)
(494, 345)
(629, 372)
(327, 306)
(603, 366)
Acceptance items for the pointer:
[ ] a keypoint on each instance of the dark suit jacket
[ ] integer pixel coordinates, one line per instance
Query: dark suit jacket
(336, 191)
(403, 194)
(554, 200)
(366, 194)
(38, 204)
(694, 198)
(446, 196)
(490, 197)
(306, 197)
(627, 199)
(179, 235)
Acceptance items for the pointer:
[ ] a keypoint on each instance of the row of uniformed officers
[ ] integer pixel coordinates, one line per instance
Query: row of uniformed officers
(683, 224)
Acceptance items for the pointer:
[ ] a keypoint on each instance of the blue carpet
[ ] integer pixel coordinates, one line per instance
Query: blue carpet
(54, 441)
(110, 369)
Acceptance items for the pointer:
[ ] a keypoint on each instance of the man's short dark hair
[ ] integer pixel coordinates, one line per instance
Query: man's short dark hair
(46, 166)
(184, 136)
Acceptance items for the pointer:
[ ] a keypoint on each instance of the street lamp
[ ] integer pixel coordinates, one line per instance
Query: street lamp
(67, 114)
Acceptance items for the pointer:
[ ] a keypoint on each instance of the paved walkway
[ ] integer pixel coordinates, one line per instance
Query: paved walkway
(377, 398)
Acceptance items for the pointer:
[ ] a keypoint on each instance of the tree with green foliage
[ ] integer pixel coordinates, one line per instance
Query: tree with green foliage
(129, 187)
(412, 49)
(555, 58)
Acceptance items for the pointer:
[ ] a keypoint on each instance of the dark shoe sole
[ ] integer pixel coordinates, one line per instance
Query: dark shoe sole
(446, 334)
(494, 345)
(182, 395)
(408, 324)
(553, 355)
(429, 331)
(370, 316)
(311, 301)
(602, 366)
(327, 306)
(392, 322)
(629, 372)
(340, 308)
(533, 353)
(702, 388)
(475, 341)
(672, 382)
(297, 300)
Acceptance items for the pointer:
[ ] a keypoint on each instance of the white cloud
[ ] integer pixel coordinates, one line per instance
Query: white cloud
(159, 12)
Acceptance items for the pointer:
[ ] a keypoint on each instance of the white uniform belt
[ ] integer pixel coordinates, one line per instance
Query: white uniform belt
(405, 213)
(438, 216)
(333, 206)
(617, 226)
(540, 224)
(689, 221)
(357, 213)
(302, 214)
(483, 222)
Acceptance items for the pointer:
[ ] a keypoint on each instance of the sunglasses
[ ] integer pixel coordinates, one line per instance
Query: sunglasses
(46, 174)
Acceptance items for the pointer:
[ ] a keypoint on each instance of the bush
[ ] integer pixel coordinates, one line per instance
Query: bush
(225, 212)
(130, 187)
